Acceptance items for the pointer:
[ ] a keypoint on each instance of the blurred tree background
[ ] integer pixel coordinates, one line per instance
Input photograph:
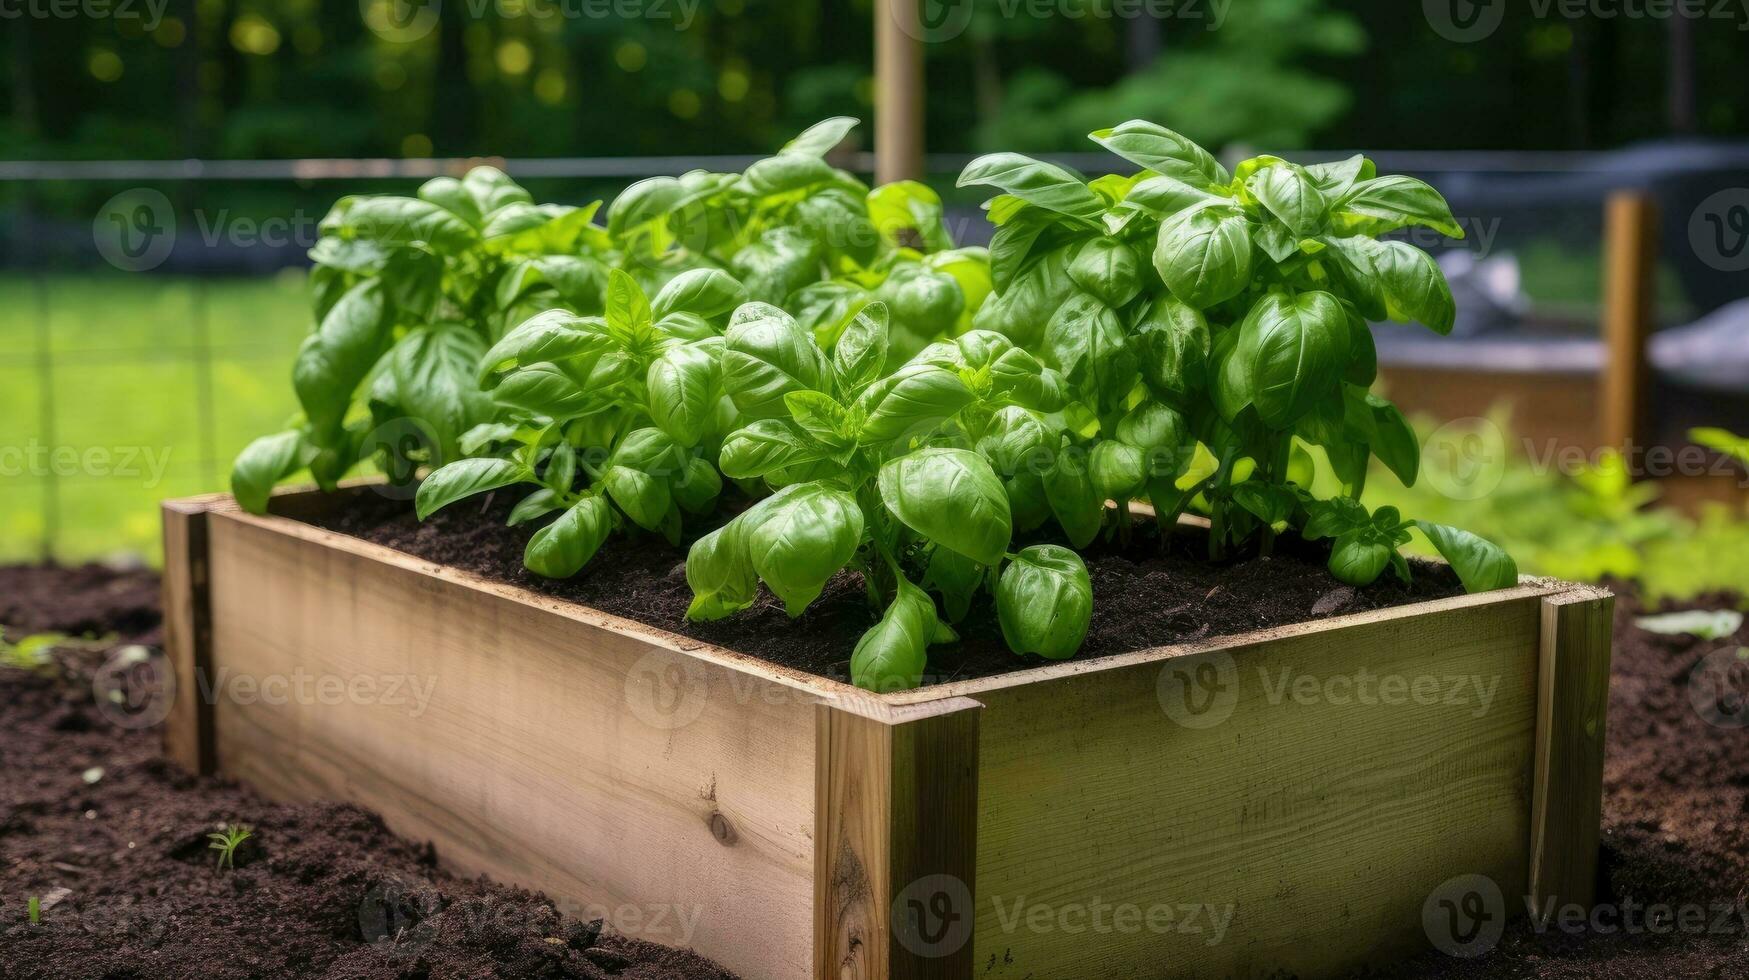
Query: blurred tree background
(291, 78)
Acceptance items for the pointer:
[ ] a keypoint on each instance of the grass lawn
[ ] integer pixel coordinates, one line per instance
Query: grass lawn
(131, 420)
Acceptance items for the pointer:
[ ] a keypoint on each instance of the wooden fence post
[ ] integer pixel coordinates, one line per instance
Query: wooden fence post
(895, 840)
(898, 91)
(1630, 264)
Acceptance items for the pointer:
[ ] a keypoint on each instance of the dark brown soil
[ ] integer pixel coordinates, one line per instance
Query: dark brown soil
(128, 885)
(1145, 594)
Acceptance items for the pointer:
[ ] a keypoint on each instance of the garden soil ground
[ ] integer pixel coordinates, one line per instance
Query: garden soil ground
(1151, 593)
(122, 853)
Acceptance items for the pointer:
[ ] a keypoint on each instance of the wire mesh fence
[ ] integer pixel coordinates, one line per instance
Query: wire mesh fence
(150, 310)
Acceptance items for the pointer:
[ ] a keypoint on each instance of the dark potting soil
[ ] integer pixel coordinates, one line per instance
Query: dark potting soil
(1147, 593)
(136, 896)
(111, 837)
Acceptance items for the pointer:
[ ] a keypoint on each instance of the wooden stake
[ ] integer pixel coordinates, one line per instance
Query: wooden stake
(896, 840)
(898, 91)
(1631, 228)
(1572, 698)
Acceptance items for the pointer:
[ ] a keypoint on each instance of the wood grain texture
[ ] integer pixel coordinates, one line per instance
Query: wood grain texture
(896, 854)
(1573, 699)
(625, 778)
(188, 729)
(1630, 263)
(1207, 786)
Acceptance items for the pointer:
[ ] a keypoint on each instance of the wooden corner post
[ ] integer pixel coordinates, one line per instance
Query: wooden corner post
(1572, 698)
(188, 632)
(895, 840)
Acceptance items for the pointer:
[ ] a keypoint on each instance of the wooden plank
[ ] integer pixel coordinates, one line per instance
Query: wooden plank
(1572, 701)
(899, 34)
(1245, 811)
(188, 728)
(1630, 263)
(897, 835)
(670, 794)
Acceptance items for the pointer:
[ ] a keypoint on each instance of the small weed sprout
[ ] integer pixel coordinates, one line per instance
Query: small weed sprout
(226, 842)
(36, 910)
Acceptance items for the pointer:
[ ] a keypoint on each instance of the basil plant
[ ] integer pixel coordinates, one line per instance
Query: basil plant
(1215, 329)
(610, 418)
(408, 294)
(867, 474)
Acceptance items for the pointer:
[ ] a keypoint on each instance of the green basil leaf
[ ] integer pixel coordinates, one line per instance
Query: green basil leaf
(1073, 498)
(892, 655)
(394, 222)
(450, 194)
(492, 189)
(1204, 256)
(1163, 151)
(821, 137)
(913, 401)
(1044, 185)
(555, 335)
(1481, 565)
(644, 498)
(956, 577)
(1358, 558)
(720, 573)
(1294, 349)
(562, 548)
(951, 497)
(683, 386)
(464, 478)
(765, 447)
(433, 371)
(627, 306)
(643, 203)
(1386, 204)
(1394, 441)
(1118, 470)
(698, 487)
(708, 293)
(768, 355)
(1108, 269)
(1291, 195)
(536, 505)
(1337, 178)
(861, 350)
(908, 214)
(337, 357)
(1164, 196)
(1172, 343)
(1044, 601)
(1087, 341)
(1410, 282)
(265, 462)
(803, 536)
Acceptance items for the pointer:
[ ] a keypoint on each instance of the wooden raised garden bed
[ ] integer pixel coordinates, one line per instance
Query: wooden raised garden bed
(1105, 814)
